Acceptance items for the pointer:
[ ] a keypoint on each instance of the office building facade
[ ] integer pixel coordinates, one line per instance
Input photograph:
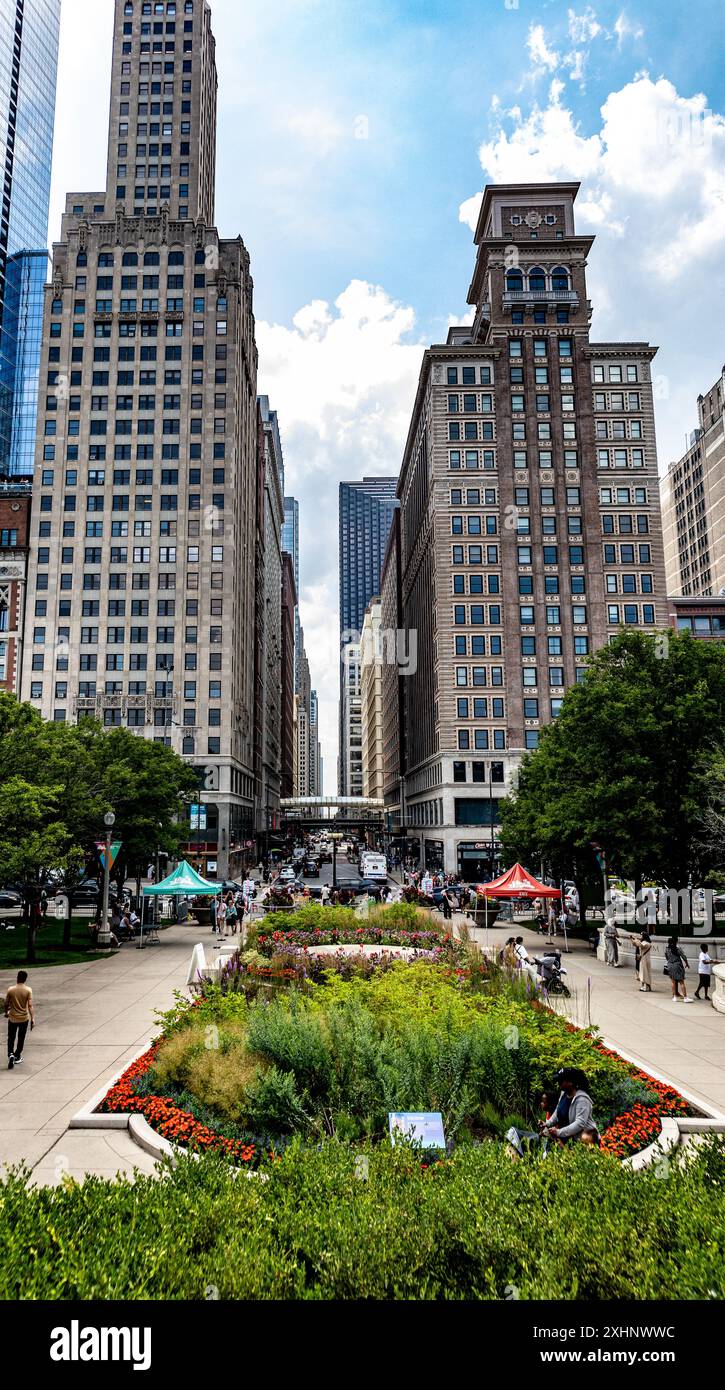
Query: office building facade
(693, 504)
(142, 566)
(371, 682)
(530, 521)
(291, 544)
(269, 609)
(15, 504)
(29, 31)
(289, 606)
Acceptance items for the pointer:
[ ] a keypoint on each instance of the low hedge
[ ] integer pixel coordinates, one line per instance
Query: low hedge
(572, 1226)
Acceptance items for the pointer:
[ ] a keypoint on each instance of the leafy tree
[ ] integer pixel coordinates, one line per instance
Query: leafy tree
(712, 820)
(626, 764)
(32, 838)
(145, 783)
(79, 772)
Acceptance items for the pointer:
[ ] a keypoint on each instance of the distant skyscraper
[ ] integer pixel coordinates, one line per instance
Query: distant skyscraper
(366, 514)
(291, 543)
(693, 506)
(271, 425)
(28, 69)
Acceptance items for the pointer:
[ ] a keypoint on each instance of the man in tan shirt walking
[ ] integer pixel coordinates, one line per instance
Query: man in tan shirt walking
(19, 1013)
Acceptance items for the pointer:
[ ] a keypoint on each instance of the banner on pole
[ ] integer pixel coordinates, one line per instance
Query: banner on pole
(115, 849)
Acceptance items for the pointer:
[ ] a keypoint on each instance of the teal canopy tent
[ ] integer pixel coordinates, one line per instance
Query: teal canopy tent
(183, 882)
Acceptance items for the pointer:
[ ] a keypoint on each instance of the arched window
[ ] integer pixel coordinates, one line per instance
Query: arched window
(176, 258)
(560, 279)
(537, 280)
(152, 258)
(514, 281)
(129, 258)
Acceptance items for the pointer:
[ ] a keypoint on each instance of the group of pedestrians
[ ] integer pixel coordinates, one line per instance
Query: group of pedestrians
(675, 965)
(514, 956)
(231, 909)
(443, 890)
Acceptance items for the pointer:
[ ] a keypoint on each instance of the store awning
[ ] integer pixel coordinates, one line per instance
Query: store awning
(517, 883)
(184, 881)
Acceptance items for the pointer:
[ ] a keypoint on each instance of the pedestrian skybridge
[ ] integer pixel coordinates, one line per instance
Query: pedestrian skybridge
(331, 811)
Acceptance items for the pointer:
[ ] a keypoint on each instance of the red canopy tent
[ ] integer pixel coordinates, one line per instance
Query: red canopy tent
(517, 883)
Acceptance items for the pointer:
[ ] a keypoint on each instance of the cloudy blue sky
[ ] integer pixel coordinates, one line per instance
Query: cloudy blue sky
(355, 137)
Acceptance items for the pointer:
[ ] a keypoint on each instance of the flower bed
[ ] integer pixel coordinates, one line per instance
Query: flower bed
(639, 1127)
(270, 941)
(362, 1035)
(169, 1120)
(290, 964)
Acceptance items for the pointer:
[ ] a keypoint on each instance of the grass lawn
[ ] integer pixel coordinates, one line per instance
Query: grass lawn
(48, 945)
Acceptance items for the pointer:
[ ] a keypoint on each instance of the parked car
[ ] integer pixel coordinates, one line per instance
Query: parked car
(10, 899)
(369, 885)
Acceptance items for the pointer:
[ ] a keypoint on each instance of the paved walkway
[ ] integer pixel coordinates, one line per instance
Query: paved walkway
(92, 1018)
(685, 1042)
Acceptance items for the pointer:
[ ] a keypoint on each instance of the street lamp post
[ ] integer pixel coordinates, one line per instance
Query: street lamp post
(104, 931)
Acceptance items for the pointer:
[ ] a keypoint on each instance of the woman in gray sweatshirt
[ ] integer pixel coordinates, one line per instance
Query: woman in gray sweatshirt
(580, 1124)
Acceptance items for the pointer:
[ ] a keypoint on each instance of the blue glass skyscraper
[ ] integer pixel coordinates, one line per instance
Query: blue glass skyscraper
(29, 32)
(366, 516)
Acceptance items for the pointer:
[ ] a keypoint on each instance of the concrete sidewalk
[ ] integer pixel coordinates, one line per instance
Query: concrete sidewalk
(91, 1019)
(683, 1042)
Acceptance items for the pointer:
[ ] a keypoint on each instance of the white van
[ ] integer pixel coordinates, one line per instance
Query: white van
(374, 866)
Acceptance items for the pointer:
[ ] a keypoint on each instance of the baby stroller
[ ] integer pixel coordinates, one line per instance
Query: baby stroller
(548, 968)
(525, 1142)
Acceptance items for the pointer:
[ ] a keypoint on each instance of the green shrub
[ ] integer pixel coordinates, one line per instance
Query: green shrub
(404, 917)
(572, 1227)
(273, 1103)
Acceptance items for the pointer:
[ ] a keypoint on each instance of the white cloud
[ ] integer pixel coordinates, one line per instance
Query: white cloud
(625, 28)
(583, 27)
(540, 54)
(576, 63)
(653, 190)
(343, 377)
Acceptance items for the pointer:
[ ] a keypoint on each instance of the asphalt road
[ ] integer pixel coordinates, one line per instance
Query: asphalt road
(347, 874)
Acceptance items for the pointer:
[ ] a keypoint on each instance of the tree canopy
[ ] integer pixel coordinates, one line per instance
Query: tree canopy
(57, 781)
(629, 765)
